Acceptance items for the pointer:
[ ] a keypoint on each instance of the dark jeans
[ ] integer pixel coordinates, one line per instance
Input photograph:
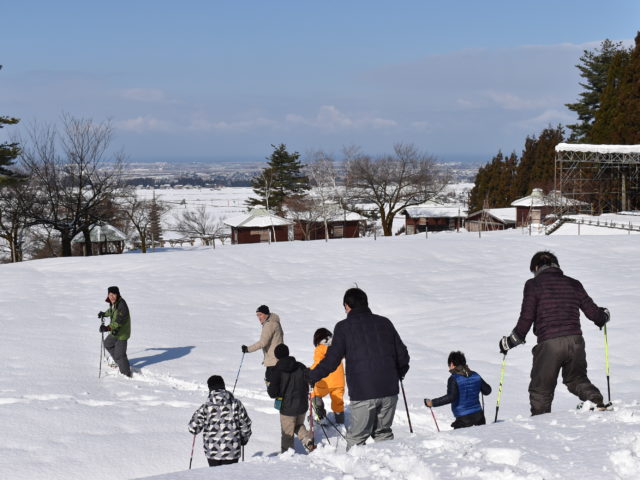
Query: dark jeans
(549, 358)
(217, 463)
(118, 351)
(470, 420)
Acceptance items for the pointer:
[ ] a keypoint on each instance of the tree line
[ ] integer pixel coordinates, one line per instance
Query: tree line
(607, 110)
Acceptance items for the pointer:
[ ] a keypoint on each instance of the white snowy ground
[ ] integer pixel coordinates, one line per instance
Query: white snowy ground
(193, 309)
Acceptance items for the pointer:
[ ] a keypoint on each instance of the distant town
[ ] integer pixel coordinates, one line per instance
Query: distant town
(233, 174)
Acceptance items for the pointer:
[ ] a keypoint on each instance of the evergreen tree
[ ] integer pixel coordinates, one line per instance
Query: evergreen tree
(618, 119)
(594, 68)
(495, 183)
(8, 154)
(281, 179)
(537, 163)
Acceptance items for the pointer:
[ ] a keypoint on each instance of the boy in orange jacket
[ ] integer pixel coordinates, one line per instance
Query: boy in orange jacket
(332, 384)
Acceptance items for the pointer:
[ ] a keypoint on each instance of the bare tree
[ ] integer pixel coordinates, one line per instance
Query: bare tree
(305, 212)
(75, 177)
(322, 174)
(390, 183)
(140, 214)
(14, 219)
(199, 223)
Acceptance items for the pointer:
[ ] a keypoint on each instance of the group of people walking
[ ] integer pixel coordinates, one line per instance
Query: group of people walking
(377, 361)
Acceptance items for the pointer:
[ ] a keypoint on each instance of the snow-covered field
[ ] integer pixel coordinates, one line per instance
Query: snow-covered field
(193, 308)
(219, 203)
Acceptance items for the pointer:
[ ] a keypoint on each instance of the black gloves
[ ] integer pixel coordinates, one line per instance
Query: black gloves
(244, 441)
(508, 342)
(607, 317)
(245, 349)
(104, 328)
(427, 402)
(402, 371)
(100, 314)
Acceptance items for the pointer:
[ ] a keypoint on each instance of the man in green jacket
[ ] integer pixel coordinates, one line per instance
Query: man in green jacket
(119, 329)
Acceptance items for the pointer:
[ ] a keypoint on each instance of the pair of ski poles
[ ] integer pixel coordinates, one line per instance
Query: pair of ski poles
(606, 356)
(193, 443)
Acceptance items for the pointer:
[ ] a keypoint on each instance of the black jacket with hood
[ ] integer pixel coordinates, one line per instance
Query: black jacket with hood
(289, 381)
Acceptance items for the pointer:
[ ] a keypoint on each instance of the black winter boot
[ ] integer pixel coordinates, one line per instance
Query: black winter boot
(339, 417)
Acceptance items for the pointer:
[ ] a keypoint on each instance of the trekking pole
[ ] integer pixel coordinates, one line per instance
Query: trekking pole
(238, 375)
(311, 417)
(192, 448)
(336, 427)
(606, 356)
(504, 361)
(322, 426)
(434, 419)
(406, 406)
(101, 351)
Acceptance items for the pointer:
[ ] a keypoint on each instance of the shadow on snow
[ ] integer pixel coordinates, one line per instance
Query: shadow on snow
(164, 355)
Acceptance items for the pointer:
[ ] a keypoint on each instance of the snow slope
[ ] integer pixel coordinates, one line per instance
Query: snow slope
(193, 309)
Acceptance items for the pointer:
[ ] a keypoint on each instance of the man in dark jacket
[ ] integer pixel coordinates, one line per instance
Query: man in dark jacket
(376, 359)
(552, 303)
(463, 388)
(119, 329)
(289, 385)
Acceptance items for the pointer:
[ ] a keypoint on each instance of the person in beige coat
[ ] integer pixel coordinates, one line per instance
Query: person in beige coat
(270, 338)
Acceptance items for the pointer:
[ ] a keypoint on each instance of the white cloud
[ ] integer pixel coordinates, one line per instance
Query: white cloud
(144, 94)
(330, 118)
(512, 101)
(144, 123)
(547, 117)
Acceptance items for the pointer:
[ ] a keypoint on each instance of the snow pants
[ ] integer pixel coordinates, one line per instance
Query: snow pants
(118, 351)
(471, 420)
(549, 358)
(336, 395)
(371, 418)
(291, 425)
(217, 463)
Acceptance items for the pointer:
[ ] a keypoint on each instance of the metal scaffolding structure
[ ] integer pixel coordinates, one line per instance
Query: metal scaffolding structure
(597, 178)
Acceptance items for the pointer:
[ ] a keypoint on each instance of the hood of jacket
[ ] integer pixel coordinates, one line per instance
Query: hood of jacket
(220, 397)
(288, 364)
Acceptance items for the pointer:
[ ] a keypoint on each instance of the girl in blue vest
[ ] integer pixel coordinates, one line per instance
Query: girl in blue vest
(463, 390)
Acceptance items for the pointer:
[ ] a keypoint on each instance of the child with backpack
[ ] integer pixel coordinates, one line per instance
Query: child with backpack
(290, 386)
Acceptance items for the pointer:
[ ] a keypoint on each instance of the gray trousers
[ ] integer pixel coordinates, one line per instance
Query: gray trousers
(118, 351)
(291, 425)
(549, 358)
(371, 418)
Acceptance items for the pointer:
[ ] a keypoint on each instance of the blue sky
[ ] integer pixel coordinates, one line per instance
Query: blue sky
(226, 79)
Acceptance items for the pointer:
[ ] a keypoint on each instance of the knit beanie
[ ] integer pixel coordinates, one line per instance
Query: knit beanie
(215, 382)
(263, 309)
(281, 351)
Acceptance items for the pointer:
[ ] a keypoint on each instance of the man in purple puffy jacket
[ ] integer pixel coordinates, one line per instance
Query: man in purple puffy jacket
(552, 303)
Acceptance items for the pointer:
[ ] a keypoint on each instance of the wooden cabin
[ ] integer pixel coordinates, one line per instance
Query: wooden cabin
(259, 226)
(491, 219)
(435, 218)
(340, 224)
(105, 239)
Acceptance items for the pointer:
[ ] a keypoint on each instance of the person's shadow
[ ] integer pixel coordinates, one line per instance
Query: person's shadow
(169, 353)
